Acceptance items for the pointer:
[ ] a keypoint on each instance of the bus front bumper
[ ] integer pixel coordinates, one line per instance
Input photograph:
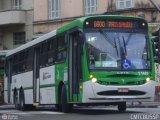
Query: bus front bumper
(97, 93)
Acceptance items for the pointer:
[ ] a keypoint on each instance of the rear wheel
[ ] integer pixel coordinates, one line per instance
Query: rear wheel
(16, 102)
(24, 106)
(122, 106)
(22, 101)
(66, 107)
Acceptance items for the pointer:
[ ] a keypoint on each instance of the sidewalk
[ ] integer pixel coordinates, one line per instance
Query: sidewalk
(7, 107)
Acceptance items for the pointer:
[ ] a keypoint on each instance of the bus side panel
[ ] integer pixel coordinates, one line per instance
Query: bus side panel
(24, 80)
(27, 80)
(47, 85)
(15, 84)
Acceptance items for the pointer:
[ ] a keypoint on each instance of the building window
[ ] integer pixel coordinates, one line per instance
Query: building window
(19, 38)
(123, 4)
(54, 9)
(90, 7)
(16, 4)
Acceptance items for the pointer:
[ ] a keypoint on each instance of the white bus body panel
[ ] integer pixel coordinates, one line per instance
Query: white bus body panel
(91, 89)
(47, 85)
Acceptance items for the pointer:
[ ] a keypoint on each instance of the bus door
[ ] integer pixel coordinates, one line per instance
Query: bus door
(9, 79)
(36, 75)
(75, 65)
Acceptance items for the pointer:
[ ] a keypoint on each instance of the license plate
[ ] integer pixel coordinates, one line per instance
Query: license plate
(124, 90)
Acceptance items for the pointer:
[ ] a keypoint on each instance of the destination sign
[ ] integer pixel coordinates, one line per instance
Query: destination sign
(112, 24)
(129, 24)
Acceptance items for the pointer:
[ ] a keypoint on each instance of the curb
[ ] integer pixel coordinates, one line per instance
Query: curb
(6, 107)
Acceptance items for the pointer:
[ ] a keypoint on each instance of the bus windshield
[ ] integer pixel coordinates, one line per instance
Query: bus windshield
(117, 50)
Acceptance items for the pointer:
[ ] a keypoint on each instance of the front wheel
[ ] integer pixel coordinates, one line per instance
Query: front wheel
(66, 107)
(122, 106)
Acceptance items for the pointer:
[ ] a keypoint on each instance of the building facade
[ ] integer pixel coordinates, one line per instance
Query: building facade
(17, 17)
(147, 9)
(51, 14)
(16, 23)
(24, 20)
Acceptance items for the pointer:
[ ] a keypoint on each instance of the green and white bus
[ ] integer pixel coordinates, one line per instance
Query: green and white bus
(94, 60)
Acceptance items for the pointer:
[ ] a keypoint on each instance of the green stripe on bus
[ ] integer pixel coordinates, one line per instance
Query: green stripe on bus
(27, 88)
(41, 86)
(47, 85)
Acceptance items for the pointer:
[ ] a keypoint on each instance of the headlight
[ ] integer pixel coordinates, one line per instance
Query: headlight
(148, 79)
(94, 80)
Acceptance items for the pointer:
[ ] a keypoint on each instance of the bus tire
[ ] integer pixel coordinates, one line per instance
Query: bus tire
(122, 106)
(66, 107)
(22, 101)
(16, 103)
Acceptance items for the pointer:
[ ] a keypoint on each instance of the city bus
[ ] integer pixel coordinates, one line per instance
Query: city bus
(93, 60)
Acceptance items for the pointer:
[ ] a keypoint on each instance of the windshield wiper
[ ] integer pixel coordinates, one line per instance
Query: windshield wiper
(124, 43)
(106, 37)
(114, 44)
(129, 38)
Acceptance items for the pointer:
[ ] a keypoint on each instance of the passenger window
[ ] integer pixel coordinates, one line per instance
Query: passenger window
(51, 50)
(29, 59)
(62, 48)
(44, 54)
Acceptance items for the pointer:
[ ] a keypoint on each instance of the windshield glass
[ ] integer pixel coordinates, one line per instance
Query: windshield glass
(117, 50)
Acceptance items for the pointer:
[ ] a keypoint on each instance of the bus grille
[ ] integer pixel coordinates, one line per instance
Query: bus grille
(141, 82)
(115, 92)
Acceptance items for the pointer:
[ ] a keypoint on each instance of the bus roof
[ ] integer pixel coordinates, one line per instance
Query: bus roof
(78, 22)
(32, 43)
(3, 52)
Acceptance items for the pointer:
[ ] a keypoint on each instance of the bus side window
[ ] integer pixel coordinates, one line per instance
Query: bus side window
(29, 59)
(22, 60)
(62, 48)
(15, 64)
(6, 67)
(43, 54)
(51, 51)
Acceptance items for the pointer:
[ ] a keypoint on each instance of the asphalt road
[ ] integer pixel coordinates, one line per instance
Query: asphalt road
(100, 113)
